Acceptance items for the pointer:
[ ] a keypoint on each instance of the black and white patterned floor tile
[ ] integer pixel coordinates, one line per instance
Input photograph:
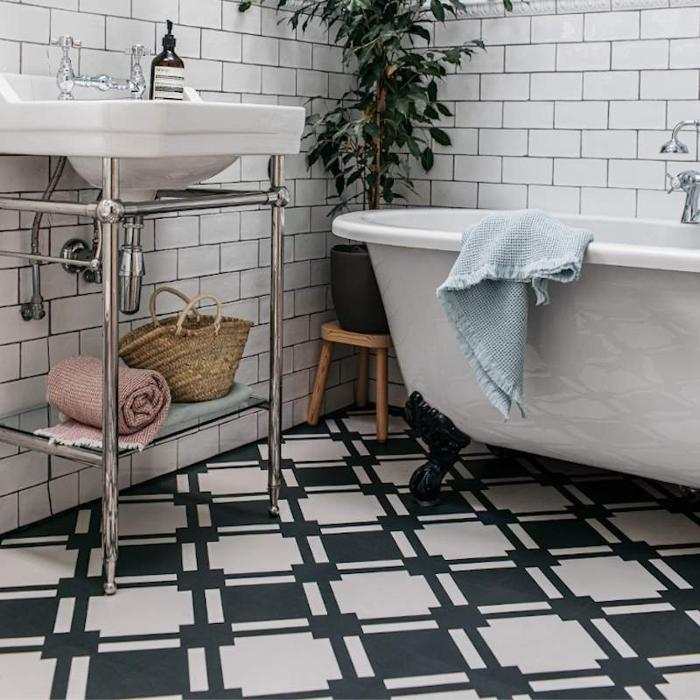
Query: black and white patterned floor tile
(531, 579)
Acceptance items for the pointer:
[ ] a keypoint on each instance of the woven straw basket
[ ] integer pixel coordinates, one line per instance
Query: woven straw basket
(198, 355)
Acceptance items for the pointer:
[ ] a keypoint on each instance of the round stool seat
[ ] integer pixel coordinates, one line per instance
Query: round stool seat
(332, 332)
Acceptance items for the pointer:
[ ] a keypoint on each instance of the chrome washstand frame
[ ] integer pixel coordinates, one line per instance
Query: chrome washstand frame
(109, 213)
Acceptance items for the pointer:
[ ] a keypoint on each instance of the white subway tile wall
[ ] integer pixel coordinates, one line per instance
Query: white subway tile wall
(565, 111)
(572, 105)
(229, 56)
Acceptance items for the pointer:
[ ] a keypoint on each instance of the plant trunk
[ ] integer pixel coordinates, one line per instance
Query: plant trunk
(375, 193)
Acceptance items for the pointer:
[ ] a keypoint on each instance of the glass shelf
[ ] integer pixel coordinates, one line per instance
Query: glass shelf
(183, 417)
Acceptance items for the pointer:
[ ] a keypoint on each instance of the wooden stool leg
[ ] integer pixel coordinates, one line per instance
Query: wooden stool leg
(362, 390)
(382, 395)
(324, 364)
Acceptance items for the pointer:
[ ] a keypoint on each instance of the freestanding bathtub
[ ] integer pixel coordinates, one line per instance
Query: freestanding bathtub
(613, 363)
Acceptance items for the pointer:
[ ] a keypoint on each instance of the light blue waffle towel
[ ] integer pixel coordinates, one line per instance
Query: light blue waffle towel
(485, 296)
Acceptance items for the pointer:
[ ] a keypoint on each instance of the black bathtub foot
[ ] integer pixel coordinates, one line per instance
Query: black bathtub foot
(444, 440)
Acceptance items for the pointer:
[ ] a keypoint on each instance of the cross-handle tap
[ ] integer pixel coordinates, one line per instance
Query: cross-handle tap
(689, 182)
(65, 78)
(136, 76)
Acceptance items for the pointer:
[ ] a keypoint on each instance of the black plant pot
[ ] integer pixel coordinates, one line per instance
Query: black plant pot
(358, 303)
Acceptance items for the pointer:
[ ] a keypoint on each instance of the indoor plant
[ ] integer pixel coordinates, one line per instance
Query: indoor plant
(370, 139)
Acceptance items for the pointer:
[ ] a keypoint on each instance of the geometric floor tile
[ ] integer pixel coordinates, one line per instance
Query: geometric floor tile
(384, 594)
(527, 498)
(335, 508)
(680, 686)
(233, 481)
(397, 471)
(542, 644)
(657, 527)
(315, 450)
(26, 675)
(253, 553)
(487, 586)
(292, 663)
(36, 565)
(470, 540)
(150, 518)
(608, 578)
(511, 586)
(140, 611)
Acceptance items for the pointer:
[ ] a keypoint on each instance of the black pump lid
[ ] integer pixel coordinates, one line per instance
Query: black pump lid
(169, 39)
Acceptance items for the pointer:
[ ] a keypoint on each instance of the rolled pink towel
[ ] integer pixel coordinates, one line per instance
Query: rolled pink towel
(75, 389)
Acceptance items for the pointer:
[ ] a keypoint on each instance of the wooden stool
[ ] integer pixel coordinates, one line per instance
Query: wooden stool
(332, 333)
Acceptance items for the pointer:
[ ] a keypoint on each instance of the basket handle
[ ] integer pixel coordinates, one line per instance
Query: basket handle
(170, 290)
(190, 307)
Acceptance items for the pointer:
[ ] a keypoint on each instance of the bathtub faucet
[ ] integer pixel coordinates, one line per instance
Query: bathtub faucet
(689, 182)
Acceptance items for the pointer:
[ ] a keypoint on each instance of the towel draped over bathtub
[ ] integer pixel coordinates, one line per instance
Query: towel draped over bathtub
(485, 296)
(75, 389)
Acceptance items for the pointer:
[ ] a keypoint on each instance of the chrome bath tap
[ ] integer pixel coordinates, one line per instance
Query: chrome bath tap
(66, 79)
(689, 180)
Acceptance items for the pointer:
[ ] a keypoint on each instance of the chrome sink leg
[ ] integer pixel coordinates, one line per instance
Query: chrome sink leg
(110, 394)
(274, 437)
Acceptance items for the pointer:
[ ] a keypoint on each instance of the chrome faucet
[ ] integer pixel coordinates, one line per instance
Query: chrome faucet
(66, 79)
(689, 180)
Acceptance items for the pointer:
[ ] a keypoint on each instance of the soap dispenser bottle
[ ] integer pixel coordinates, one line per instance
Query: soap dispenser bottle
(168, 71)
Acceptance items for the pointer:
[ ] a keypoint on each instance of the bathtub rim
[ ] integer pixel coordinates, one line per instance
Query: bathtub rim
(365, 226)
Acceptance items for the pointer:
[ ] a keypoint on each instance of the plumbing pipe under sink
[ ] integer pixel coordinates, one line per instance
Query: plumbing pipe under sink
(34, 309)
(131, 266)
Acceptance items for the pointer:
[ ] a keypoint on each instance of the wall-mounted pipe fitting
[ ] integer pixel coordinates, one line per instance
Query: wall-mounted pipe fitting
(283, 197)
(109, 211)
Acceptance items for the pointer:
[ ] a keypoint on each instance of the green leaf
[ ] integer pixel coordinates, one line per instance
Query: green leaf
(420, 31)
(438, 10)
(427, 159)
(440, 136)
(419, 104)
(432, 91)
(402, 105)
(244, 6)
(413, 147)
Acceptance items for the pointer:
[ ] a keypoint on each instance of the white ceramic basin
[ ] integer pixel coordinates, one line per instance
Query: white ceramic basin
(162, 144)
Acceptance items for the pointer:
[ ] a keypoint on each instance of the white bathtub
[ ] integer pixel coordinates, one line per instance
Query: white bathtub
(613, 363)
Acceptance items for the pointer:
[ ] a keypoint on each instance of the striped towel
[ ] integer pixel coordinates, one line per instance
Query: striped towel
(75, 389)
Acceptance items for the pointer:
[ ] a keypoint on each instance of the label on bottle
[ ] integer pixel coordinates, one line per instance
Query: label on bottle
(168, 83)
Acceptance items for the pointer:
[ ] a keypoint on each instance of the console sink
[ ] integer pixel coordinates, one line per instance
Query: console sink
(162, 145)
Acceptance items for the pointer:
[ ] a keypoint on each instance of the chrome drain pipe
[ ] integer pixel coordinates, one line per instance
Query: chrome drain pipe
(131, 266)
